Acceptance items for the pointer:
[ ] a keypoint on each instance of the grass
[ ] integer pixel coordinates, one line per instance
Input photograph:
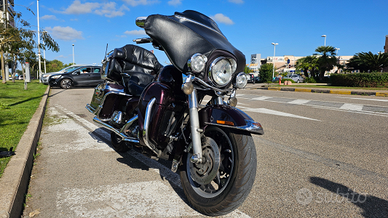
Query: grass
(17, 106)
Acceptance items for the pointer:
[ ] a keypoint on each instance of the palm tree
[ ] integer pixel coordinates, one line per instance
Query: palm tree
(326, 60)
(368, 62)
(308, 63)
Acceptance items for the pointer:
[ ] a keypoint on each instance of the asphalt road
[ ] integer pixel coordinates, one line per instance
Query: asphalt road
(322, 155)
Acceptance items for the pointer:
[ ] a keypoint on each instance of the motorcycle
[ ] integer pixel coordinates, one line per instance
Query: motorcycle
(162, 111)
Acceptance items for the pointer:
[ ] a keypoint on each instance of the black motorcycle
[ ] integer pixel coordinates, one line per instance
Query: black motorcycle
(162, 112)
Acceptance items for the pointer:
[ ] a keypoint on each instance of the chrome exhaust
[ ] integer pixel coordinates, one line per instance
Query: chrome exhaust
(118, 132)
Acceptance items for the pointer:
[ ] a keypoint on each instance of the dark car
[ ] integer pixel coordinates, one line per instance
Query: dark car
(251, 78)
(81, 76)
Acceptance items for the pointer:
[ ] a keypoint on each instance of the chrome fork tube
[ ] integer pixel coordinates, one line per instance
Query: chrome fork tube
(195, 130)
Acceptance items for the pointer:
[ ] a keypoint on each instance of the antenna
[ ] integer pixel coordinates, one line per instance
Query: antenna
(106, 50)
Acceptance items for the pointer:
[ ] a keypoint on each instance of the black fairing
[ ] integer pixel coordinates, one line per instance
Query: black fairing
(187, 33)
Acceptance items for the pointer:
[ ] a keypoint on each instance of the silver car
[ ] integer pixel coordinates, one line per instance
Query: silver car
(295, 77)
(45, 77)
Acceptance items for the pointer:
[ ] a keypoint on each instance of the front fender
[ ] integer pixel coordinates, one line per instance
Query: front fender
(229, 117)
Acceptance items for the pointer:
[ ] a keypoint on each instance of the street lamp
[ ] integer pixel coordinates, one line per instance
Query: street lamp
(73, 54)
(273, 60)
(325, 40)
(40, 70)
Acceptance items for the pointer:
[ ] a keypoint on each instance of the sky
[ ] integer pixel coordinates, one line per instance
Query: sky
(251, 26)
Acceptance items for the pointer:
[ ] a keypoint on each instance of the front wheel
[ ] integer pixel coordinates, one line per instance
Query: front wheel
(66, 83)
(223, 181)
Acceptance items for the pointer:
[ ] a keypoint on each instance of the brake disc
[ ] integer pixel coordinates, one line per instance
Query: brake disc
(203, 173)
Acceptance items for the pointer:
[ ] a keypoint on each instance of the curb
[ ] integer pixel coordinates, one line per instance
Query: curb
(329, 91)
(16, 176)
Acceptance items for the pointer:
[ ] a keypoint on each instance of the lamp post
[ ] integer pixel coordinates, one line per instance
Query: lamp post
(73, 54)
(273, 59)
(325, 40)
(40, 70)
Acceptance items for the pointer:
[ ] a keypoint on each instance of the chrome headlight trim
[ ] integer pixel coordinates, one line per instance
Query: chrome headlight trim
(225, 64)
(241, 80)
(197, 63)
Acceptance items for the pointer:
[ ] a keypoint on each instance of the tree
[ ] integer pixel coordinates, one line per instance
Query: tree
(308, 63)
(265, 72)
(247, 70)
(368, 62)
(326, 60)
(19, 42)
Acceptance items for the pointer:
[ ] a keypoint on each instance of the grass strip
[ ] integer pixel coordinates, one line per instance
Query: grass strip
(17, 106)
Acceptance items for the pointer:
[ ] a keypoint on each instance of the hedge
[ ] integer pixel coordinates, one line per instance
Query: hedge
(378, 80)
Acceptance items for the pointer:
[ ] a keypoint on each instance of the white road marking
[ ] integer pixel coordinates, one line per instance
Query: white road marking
(368, 99)
(261, 98)
(352, 107)
(299, 101)
(151, 198)
(277, 113)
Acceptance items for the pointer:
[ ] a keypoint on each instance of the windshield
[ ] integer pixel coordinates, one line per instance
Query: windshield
(187, 33)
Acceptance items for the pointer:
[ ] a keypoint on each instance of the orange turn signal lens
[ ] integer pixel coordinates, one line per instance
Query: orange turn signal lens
(223, 122)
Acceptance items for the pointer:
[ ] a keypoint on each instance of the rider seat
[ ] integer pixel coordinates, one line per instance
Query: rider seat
(134, 67)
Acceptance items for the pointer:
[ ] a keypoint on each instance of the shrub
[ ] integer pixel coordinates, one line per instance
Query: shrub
(309, 80)
(360, 80)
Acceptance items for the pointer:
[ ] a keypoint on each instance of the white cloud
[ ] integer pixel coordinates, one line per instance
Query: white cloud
(175, 2)
(109, 10)
(65, 33)
(135, 32)
(237, 1)
(222, 19)
(78, 8)
(48, 17)
(140, 2)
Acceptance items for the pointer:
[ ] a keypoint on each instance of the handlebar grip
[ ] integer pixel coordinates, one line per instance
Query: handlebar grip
(142, 40)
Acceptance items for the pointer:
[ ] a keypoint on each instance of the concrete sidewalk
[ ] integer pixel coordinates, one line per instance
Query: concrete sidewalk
(16, 176)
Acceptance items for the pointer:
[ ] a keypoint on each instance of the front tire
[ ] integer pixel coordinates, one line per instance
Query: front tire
(66, 83)
(234, 177)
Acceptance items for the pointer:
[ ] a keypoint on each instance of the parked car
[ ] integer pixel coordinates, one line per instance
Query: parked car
(251, 78)
(295, 77)
(81, 76)
(45, 77)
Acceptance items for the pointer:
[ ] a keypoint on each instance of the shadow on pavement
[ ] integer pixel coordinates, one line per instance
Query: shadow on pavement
(372, 206)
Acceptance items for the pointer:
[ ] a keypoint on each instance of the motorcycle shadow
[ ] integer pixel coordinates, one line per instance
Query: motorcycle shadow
(136, 160)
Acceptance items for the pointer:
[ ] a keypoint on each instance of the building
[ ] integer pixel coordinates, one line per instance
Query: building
(7, 11)
(255, 64)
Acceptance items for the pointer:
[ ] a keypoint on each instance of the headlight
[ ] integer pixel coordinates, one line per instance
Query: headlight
(241, 80)
(221, 70)
(55, 77)
(44, 75)
(197, 62)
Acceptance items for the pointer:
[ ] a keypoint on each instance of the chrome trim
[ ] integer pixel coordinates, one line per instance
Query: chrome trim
(195, 128)
(111, 128)
(249, 127)
(214, 62)
(128, 124)
(90, 108)
(146, 126)
(196, 79)
(140, 21)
